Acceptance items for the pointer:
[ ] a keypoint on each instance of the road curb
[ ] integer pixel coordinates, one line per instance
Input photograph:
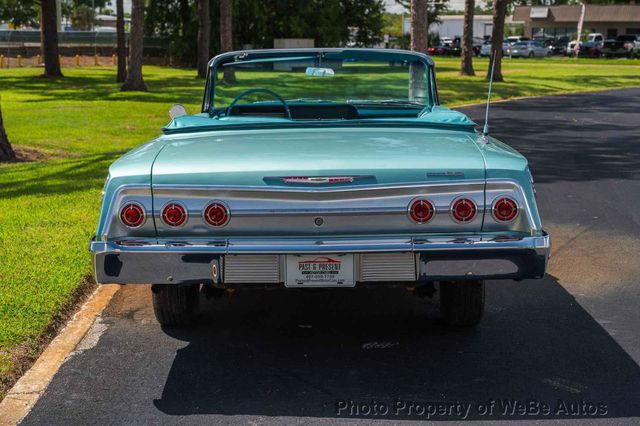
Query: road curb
(25, 393)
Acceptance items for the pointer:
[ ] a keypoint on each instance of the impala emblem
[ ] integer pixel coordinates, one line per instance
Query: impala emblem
(317, 180)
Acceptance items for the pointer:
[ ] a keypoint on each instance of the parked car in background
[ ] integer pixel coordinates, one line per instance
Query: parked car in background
(445, 41)
(439, 50)
(485, 50)
(516, 39)
(477, 45)
(623, 45)
(574, 45)
(559, 46)
(322, 178)
(590, 49)
(528, 49)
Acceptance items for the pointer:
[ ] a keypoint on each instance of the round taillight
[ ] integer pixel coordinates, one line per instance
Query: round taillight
(132, 215)
(421, 211)
(174, 214)
(216, 214)
(463, 210)
(504, 209)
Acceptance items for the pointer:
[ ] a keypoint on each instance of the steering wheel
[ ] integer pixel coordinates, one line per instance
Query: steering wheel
(258, 90)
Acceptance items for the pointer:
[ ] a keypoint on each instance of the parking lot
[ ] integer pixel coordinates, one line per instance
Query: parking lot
(567, 342)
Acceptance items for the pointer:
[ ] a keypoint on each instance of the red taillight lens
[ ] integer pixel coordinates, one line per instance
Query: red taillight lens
(132, 215)
(464, 210)
(421, 211)
(216, 214)
(173, 214)
(504, 209)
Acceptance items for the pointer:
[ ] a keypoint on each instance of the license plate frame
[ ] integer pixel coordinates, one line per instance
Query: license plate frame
(320, 270)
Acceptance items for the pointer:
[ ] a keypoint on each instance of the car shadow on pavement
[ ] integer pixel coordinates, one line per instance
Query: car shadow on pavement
(361, 354)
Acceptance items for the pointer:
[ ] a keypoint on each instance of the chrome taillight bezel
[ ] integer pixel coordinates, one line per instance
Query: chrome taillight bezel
(495, 203)
(453, 205)
(136, 205)
(411, 207)
(180, 206)
(211, 204)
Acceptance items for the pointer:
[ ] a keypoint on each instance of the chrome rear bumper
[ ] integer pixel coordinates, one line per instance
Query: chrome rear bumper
(436, 258)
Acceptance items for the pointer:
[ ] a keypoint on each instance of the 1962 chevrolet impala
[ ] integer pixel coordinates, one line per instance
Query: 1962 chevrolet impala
(320, 168)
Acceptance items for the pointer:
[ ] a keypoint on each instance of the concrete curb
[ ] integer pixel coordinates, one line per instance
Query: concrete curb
(25, 393)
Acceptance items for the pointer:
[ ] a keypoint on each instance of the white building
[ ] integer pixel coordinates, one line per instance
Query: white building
(452, 25)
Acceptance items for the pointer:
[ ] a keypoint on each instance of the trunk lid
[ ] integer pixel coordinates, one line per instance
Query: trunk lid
(375, 156)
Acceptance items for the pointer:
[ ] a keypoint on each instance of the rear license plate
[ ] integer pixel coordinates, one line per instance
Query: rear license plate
(323, 270)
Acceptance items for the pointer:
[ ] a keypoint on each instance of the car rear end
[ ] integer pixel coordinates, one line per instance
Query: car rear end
(622, 46)
(312, 192)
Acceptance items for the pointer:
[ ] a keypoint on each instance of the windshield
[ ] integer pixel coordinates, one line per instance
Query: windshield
(257, 85)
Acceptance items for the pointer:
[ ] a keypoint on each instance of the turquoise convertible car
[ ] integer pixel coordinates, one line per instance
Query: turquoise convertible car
(319, 168)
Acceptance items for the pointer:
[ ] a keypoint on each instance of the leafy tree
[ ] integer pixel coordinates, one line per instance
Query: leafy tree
(226, 35)
(49, 38)
(204, 36)
(497, 35)
(19, 12)
(367, 16)
(134, 79)
(435, 8)
(6, 151)
(176, 20)
(259, 22)
(419, 25)
(121, 48)
(83, 17)
(466, 64)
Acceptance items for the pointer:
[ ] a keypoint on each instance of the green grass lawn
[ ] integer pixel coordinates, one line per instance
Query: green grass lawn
(48, 208)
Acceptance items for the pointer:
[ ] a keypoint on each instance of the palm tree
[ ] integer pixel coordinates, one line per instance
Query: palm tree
(226, 35)
(49, 38)
(134, 79)
(122, 47)
(499, 12)
(6, 151)
(466, 64)
(204, 36)
(419, 26)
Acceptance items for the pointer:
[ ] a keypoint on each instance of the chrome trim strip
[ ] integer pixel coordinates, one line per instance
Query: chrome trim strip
(540, 243)
(358, 188)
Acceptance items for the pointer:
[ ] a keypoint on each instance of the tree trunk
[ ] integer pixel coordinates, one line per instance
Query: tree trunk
(122, 43)
(49, 39)
(6, 151)
(226, 35)
(499, 12)
(204, 36)
(466, 64)
(134, 79)
(185, 17)
(419, 26)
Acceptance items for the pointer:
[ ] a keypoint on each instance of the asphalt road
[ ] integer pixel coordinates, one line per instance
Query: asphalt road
(569, 341)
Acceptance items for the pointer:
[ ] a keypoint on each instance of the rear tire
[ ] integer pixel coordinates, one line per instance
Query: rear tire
(462, 302)
(174, 304)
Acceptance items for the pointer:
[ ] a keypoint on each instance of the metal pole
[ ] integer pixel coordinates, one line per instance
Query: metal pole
(580, 23)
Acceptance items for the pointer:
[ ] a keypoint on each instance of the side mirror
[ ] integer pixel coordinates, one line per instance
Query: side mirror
(176, 111)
